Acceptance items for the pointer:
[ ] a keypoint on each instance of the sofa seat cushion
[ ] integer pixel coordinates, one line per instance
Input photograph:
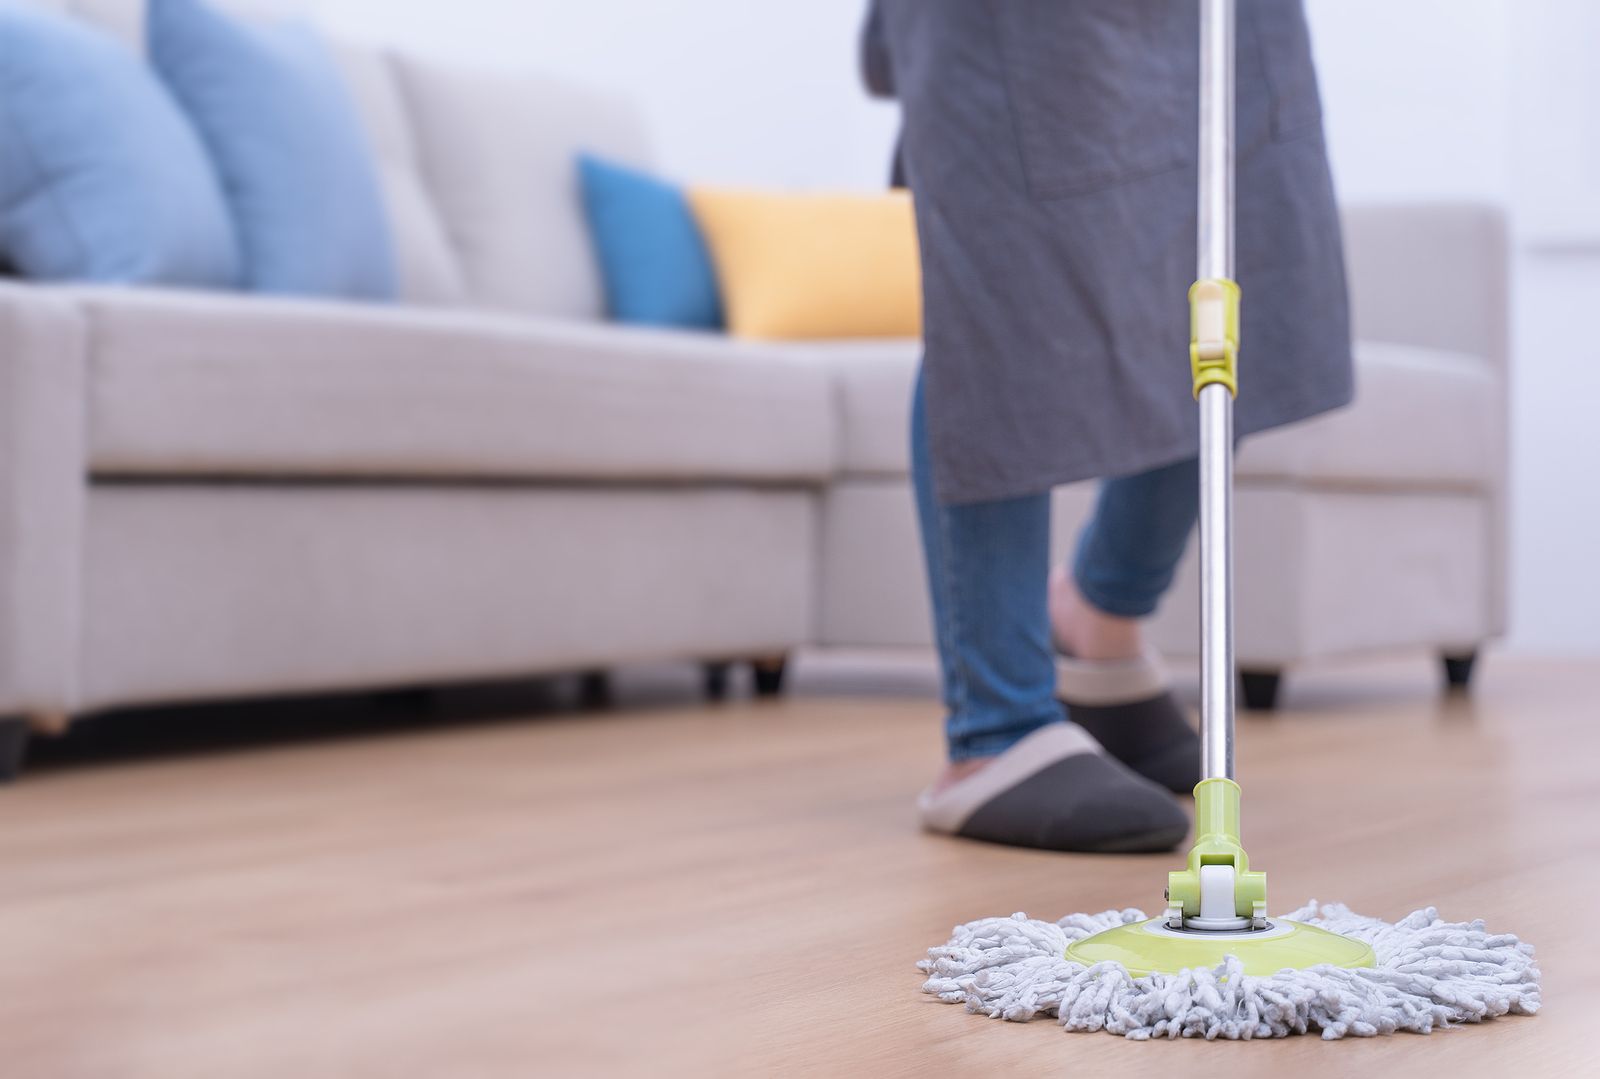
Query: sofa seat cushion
(1421, 416)
(874, 381)
(186, 384)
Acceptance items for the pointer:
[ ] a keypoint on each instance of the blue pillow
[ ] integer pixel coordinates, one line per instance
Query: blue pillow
(654, 260)
(101, 177)
(288, 146)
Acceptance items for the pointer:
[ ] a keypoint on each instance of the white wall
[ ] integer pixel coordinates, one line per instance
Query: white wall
(1555, 176)
(1499, 100)
(1425, 99)
(1420, 109)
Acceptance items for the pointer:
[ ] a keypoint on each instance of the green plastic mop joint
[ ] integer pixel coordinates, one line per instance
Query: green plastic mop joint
(1197, 932)
(1214, 333)
(1216, 814)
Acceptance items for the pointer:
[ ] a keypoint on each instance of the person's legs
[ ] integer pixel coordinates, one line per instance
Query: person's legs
(987, 563)
(1126, 557)
(1018, 773)
(1130, 548)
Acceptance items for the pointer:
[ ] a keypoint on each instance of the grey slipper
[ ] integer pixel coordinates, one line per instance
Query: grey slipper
(1057, 789)
(1128, 708)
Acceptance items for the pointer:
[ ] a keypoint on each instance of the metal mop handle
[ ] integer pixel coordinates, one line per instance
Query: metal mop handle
(1217, 890)
(1216, 393)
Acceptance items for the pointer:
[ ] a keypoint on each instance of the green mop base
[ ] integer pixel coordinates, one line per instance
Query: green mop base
(1151, 947)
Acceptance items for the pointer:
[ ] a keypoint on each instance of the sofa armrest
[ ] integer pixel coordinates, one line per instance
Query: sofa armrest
(43, 481)
(1438, 275)
(1431, 274)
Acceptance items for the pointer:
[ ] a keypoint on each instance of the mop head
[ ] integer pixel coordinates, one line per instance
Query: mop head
(1430, 973)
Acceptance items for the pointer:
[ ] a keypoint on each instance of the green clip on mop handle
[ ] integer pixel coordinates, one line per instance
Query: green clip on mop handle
(1196, 895)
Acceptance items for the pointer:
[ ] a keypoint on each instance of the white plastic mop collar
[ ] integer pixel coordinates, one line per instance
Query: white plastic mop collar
(1214, 964)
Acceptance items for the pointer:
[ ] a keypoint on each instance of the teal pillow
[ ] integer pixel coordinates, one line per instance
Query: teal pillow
(656, 267)
(288, 145)
(101, 177)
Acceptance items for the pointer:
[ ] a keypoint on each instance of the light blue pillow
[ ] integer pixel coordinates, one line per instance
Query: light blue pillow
(656, 267)
(288, 146)
(101, 177)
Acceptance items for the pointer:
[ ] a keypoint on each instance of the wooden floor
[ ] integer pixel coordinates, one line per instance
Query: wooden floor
(682, 889)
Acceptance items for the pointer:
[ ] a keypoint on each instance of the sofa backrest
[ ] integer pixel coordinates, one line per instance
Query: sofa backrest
(477, 169)
(493, 157)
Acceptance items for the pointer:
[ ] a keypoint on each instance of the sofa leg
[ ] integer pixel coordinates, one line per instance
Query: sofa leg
(14, 734)
(769, 675)
(594, 689)
(1260, 689)
(716, 680)
(1458, 670)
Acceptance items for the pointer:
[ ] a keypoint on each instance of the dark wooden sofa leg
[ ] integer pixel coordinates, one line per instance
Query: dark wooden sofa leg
(716, 680)
(769, 675)
(14, 734)
(1260, 689)
(1458, 669)
(594, 689)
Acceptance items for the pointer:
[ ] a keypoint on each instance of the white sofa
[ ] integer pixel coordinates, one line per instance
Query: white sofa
(205, 496)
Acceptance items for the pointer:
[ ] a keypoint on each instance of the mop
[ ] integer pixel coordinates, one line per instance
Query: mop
(1213, 964)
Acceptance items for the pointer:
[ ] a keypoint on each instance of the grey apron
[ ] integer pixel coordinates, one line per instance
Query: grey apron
(1050, 148)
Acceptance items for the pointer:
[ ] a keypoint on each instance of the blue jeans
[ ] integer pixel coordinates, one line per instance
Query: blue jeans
(988, 565)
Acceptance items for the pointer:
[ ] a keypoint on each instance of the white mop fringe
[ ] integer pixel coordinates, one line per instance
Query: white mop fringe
(1430, 973)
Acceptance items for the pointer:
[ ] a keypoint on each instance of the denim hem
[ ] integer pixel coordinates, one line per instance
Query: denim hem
(991, 743)
(1117, 604)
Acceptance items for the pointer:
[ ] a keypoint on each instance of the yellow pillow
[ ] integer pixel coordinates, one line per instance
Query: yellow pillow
(811, 265)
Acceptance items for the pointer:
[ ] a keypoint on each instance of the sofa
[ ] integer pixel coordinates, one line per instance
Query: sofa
(207, 496)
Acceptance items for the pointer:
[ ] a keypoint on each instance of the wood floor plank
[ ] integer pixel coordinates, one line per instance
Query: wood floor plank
(740, 890)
